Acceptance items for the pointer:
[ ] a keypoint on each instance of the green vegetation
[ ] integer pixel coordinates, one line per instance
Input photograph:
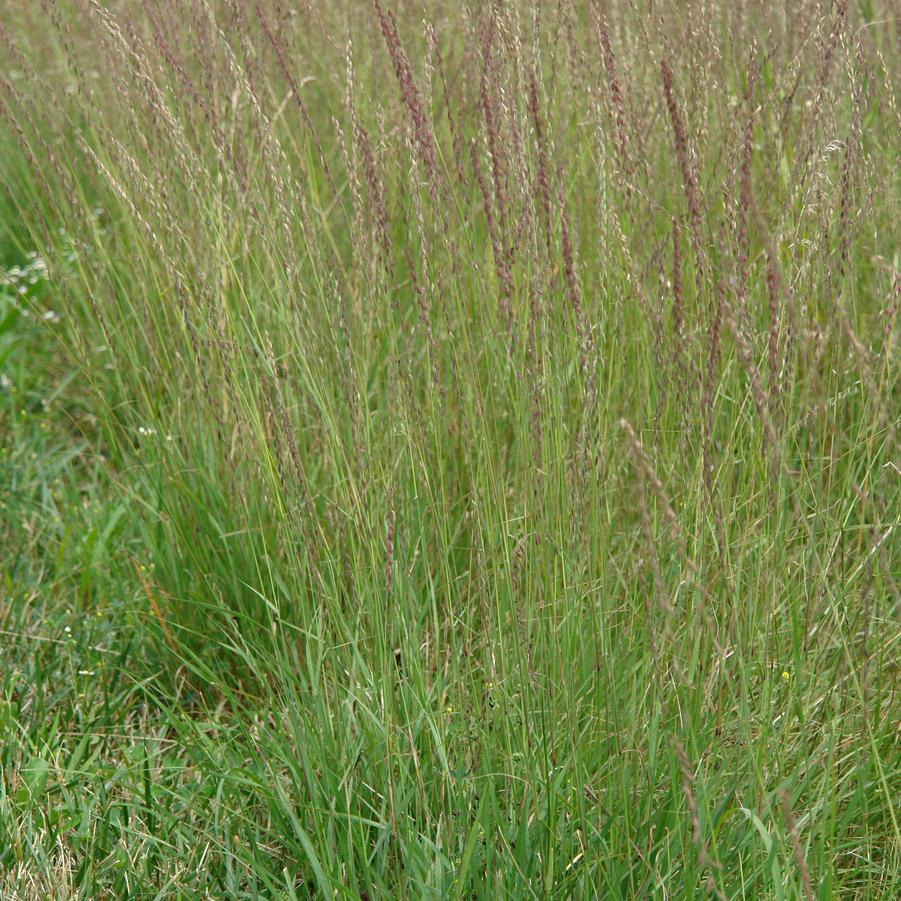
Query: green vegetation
(449, 451)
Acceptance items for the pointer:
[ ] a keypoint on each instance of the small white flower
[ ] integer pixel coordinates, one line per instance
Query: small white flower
(51, 316)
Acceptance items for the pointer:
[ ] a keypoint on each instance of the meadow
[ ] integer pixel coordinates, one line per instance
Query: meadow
(449, 450)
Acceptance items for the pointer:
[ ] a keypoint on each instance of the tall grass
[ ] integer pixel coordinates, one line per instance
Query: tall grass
(507, 396)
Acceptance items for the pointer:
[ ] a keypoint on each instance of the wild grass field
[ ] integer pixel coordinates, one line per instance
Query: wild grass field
(449, 450)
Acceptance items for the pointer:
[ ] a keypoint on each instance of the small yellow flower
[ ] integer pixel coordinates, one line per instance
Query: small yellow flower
(449, 709)
(786, 675)
(489, 685)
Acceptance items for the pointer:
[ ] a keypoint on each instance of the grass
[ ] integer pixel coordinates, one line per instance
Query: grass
(449, 452)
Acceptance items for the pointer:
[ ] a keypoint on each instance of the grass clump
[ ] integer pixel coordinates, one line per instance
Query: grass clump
(468, 459)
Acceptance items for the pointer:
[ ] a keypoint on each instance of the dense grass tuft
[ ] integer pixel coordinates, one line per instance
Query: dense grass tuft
(449, 450)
